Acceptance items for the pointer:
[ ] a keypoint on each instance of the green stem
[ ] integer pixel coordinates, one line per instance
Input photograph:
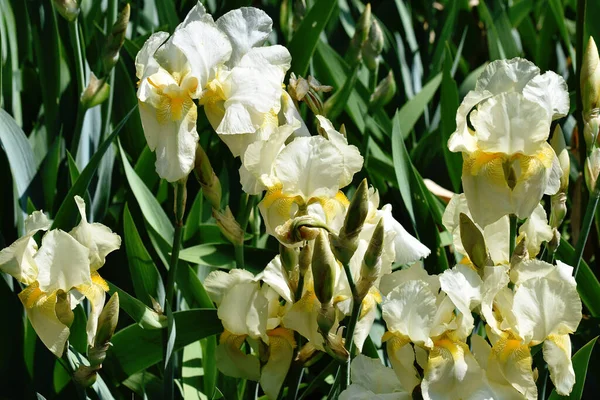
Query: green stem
(373, 79)
(579, 46)
(356, 304)
(512, 234)
(586, 226)
(111, 18)
(239, 255)
(180, 198)
(80, 75)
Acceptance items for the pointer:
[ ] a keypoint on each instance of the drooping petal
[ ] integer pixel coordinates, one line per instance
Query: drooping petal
(281, 353)
(408, 248)
(96, 294)
(510, 363)
(414, 272)
(42, 315)
(244, 311)
(544, 307)
(37, 221)
(452, 372)
(409, 310)
(372, 375)
(276, 209)
(365, 322)
(63, 262)
(463, 139)
(231, 361)
(463, 285)
(557, 353)
(534, 268)
(245, 27)
(302, 318)
(17, 260)
(495, 280)
(402, 356)
(98, 238)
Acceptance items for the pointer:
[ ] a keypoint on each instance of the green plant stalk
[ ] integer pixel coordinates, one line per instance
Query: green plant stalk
(579, 46)
(80, 75)
(512, 234)
(373, 79)
(356, 305)
(586, 226)
(111, 17)
(180, 197)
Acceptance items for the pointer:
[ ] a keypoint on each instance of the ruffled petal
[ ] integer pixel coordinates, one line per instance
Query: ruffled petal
(372, 375)
(302, 318)
(402, 356)
(551, 91)
(246, 27)
(145, 63)
(218, 283)
(510, 363)
(506, 76)
(17, 260)
(463, 285)
(274, 276)
(409, 310)
(244, 311)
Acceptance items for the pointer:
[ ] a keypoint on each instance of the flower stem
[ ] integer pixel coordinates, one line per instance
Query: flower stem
(80, 75)
(179, 208)
(356, 304)
(579, 48)
(512, 234)
(586, 226)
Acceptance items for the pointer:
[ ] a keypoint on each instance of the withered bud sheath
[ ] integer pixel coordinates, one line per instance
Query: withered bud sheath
(229, 227)
(211, 186)
(305, 258)
(324, 267)
(346, 242)
(115, 39)
(520, 252)
(473, 243)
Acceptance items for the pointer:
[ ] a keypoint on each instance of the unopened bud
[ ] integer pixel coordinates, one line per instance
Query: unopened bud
(590, 78)
(305, 258)
(371, 265)
(361, 33)
(592, 168)
(520, 252)
(289, 258)
(591, 126)
(229, 227)
(560, 148)
(326, 319)
(95, 93)
(324, 268)
(558, 209)
(63, 308)
(211, 186)
(85, 376)
(373, 47)
(299, 229)
(346, 242)
(69, 9)
(115, 39)
(474, 243)
(107, 322)
(384, 92)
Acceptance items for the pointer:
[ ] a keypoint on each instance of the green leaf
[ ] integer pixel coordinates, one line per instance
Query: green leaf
(147, 318)
(20, 156)
(559, 16)
(50, 173)
(587, 283)
(167, 14)
(580, 361)
(191, 288)
(152, 211)
(68, 211)
(145, 277)
(221, 255)
(445, 36)
(410, 112)
(448, 109)
(135, 349)
(305, 39)
(402, 167)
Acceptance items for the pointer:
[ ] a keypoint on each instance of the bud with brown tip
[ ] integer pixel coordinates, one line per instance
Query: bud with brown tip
(229, 227)
(115, 39)
(371, 265)
(345, 243)
(95, 93)
(85, 376)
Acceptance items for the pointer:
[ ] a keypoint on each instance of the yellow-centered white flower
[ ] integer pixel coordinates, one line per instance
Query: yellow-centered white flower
(172, 72)
(58, 273)
(306, 178)
(502, 128)
(371, 380)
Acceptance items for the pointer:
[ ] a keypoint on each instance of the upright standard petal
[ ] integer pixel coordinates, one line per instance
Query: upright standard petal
(551, 91)
(246, 27)
(409, 310)
(63, 262)
(98, 238)
(506, 76)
